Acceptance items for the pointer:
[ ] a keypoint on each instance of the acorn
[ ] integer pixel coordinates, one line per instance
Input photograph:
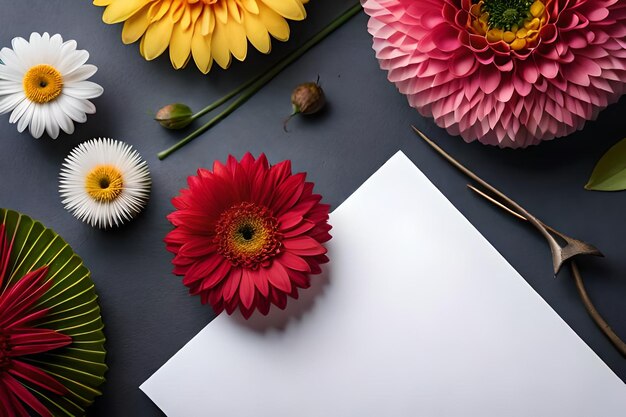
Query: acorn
(306, 98)
(175, 116)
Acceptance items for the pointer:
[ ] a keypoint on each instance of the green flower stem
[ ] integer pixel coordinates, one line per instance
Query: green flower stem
(252, 87)
(219, 102)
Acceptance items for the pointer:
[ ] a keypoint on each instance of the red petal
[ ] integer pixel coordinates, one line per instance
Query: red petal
(263, 305)
(280, 172)
(279, 277)
(11, 406)
(37, 377)
(191, 219)
(23, 295)
(288, 193)
(217, 275)
(304, 206)
(231, 305)
(216, 295)
(232, 284)
(304, 227)
(246, 289)
(261, 280)
(25, 320)
(300, 279)
(241, 184)
(287, 221)
(294, 262)
(203, 268)
(28, 341)
(220, 170)
(23, 394)
(197, 246)
(304, 245)
(278, 298)
(247, 163)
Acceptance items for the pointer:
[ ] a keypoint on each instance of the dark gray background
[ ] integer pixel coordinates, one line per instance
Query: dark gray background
(147, 311)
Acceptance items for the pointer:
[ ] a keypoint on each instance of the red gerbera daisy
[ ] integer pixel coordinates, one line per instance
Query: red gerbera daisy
(248, 235)
(19, 337)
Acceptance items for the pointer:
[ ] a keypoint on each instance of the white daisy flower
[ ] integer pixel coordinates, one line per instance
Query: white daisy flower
(104, 182)
(43, 82)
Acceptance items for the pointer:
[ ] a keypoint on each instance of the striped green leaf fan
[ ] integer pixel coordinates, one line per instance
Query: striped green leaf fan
(51, 341)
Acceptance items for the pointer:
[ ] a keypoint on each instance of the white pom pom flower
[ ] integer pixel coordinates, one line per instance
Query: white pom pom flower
(104, 182)
(43, 83)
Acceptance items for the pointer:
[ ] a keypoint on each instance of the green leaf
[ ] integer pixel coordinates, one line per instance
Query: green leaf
(610, 171)
(74, 311)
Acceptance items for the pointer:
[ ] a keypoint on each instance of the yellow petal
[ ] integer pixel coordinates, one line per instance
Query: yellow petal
(207, 21)
(102, 2)
(219, 45)
(234, 11)
(291, 9)
(275, 24)
(178, 10)
(257, 33)
(237, 42)
(201, 50)
(120, 10)
(251, 6)
(159, 9)
(157, 38)
(180, 46)
(136, 26)
(141, 46)
(221, 12)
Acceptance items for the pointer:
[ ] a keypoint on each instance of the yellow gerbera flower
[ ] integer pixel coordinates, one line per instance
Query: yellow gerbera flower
(208, 30)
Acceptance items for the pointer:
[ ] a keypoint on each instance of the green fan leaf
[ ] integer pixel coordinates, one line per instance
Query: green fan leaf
(73, 310)
(610, 171)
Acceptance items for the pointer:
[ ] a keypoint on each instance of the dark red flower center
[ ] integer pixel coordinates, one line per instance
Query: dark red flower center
(5, 348)
(247, 235)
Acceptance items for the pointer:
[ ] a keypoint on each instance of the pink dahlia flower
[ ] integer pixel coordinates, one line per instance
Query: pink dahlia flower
(248, 235)
(506, 72)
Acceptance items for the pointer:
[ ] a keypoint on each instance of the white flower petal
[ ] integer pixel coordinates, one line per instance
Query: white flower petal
(62, 119)
(10, 87)
(10, 74)
(87, 156)
(68, 46)
(52, 127)
(19, 111)
(37, 124)
(73, 108)
(10, 58)
(83, 90)
(81, 74)
(71, 61)
(24, 53)
(25, 120)
(10, 102)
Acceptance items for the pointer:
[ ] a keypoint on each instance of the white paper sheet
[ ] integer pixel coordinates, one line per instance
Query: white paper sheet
(419, 316)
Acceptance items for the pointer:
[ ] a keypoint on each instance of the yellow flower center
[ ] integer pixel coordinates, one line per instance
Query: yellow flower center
(42, 83)
(104, 183)
(518, 36)
(247, 235)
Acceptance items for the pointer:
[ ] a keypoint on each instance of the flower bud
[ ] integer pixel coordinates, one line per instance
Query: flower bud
(308, 98)
(174, 116)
